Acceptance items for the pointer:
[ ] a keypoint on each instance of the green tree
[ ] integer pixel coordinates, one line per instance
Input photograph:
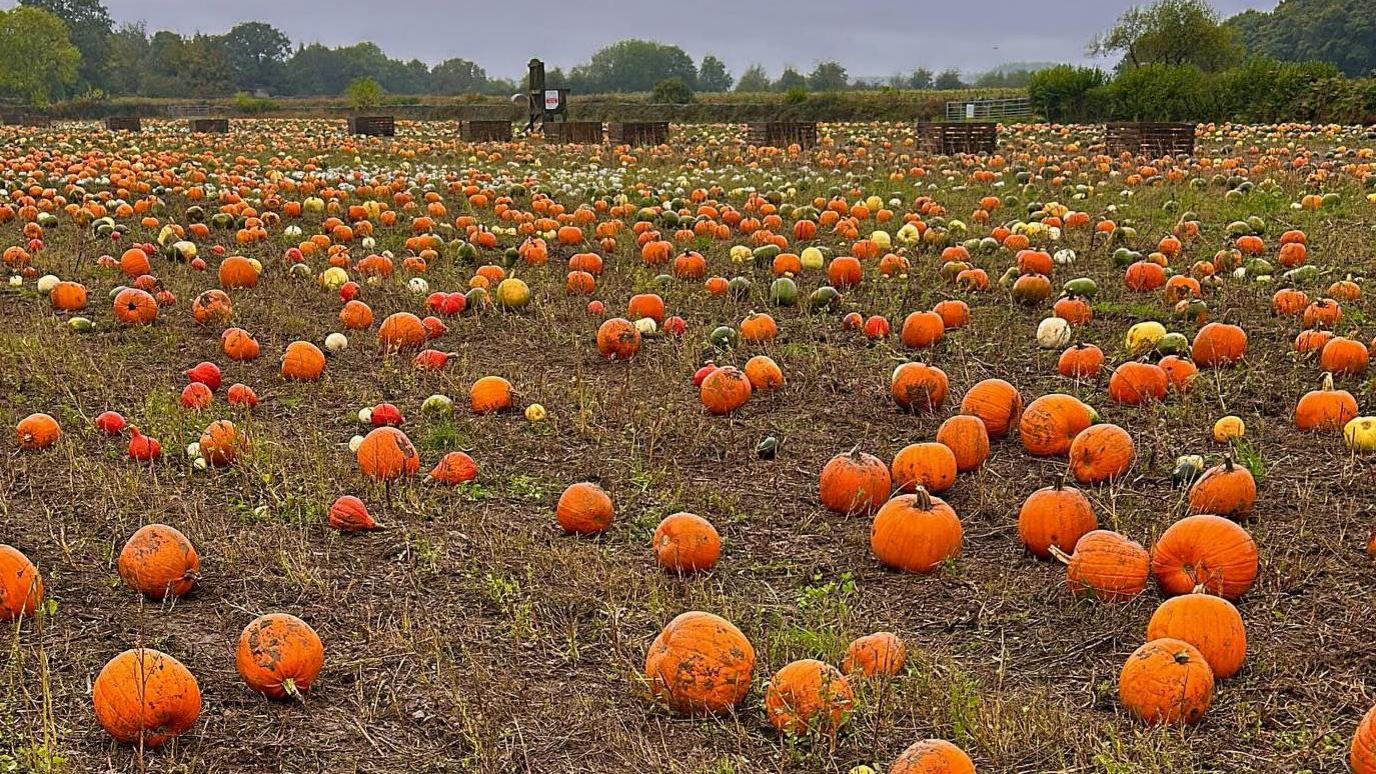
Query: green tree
(129, 59)
(633, 65)
(672, 91)
(257, 55)
(753, 80)
(1340, 32)
(37, 58)
(790, 79)
(89, 28)
(1170, 32)
(828, 76)
(182, 67)
(948, 80)
(712, 75)
(1061, 93)
(458, 76)
(364, 94)
(921, 79)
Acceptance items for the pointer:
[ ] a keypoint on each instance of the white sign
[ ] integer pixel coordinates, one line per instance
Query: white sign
(969, 110)
(551, 99)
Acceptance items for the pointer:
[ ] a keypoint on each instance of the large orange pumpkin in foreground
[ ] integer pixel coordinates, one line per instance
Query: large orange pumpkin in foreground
(1166, 682)
(36, 432)
(933, 756)
(1205, 551)
(700, 663)
(915, 533)
(143, 696)
(303, 361)
(279, 655)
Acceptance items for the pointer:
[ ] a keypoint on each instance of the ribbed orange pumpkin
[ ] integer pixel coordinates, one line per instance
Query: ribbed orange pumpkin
(1080, 361)
(1209, 623)
(1325, 408)
(915, 533)
(967, 439)
(349, 514)
(686, 543)
(1056, 515)
(1362, 756)
(1166, 682)
(279, 655)
(933, 756)
(356, 315)
(21, 587)
(239, 345)
(931, 466)
(618, 339)
(725, 390)
(764, 374)
(135, 307)
(220, 442)
(874, 655)
(159, 562)
(1105, 565)
(386, 454)
(1101, 453)
(67, 296)
(808, 697)
(1218, 344)
(303, 361)
(1205, 550)
(1133, 384)
(759, 327)
(36, 432)
(400, 331)
(700, 663)
(1224, 490)
(855, 482)
(584, 509)
(997, 403)
(453, 469)
(145, 697)
(922, 329)
(1050, 423)
(918, 387)
(237, 271)
(489, 395)
(212, 307)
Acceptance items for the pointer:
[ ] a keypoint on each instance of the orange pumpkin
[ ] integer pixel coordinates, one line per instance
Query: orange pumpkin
(145, 697)
(931, 466)
(584, 509)
(700, 663)
(212, 307)
(1057, 516)
(997, 403)
(915, 533)
(36, 432)
(918, 387)
(1209, 623)
(1050, 423)
(725, 390)
(159, 562)
(135, 307)
(1105, 565)
(967, 439)
(933, 756)
(238, 344)
(1101, 453)
(489, 395)
(1224, 490)
(1166, 682)
(855, 482)
(1208, 551)
(808, 697)
(302, 361)
(237, 271)
(686, 543)
(402, 330)
(21, 587)
(279, 655)
(874, 655)
(386, 454)
(618, 339)
(764, 374)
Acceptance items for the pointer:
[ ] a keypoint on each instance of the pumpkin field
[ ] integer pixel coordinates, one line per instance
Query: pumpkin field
(349, 454)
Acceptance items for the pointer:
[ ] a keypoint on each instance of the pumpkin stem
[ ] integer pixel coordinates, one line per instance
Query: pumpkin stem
(924, 500)
(289, 687)
(1199, 588)
(1060, 555)
(1328, 382)
(1228, 463)
(1058, 483)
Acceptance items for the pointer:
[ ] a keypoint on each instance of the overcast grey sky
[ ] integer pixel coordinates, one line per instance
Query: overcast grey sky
(869, 37)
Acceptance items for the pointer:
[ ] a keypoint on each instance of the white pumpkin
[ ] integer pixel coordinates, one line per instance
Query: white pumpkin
(336, 343)
(418, 285)
(46, 283)
(1053, 333)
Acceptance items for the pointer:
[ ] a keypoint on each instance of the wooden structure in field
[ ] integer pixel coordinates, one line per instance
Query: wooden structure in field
(782, 134)
(638, 133)
(485, 131)
(373, 126)
(948, 138)
(210, 126)
(124, 124)
(574, 132)
(1153, 140)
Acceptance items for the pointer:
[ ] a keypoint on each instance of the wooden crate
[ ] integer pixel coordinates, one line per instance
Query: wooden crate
(782, 134)
(485, 131)
(373, 126)
(574, 132)
(210, 125)
(638, 133)
(27, 119)
(124, 124)
(1153, 140)
(948, 138)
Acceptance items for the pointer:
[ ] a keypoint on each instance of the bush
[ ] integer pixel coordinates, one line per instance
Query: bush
(1062, 93)
(1160, 93)
(248, 104)
(672, 91)
(797, 95)
(364, 94)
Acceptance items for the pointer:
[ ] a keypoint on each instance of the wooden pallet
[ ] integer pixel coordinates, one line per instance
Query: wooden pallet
(638, 133)
(210, 125)
(782, 134)
(124, 124)
(1153, 140)
(485, 131)
(373, 126)
(574, 132)
(948, 138)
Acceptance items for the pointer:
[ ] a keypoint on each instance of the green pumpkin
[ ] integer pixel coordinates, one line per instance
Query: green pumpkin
(1081, 286)
(1188, 468)
(738, 287)
(783, 292)
(825, 297)
(1173, 344)
(724, 337)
